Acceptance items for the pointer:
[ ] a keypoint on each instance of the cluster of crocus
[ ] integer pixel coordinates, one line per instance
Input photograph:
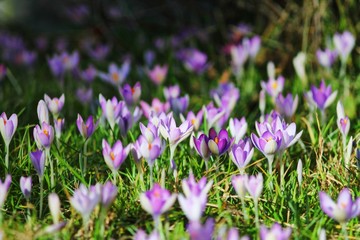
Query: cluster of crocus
(274, 136)
(84, 200)
(116, 75)
(157, 201)
(342, 211)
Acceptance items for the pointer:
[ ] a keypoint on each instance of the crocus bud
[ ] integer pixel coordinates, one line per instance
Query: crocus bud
(4, 188)
(59, 124)
(299, 172)
(8, 127)
(54, 206)
(25, 185)
(299, 65)
(42, 112)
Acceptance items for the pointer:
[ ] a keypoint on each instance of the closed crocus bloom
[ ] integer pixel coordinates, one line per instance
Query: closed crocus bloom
(237, 128)
(38, 160)
(114, 156)
(157, 201)
(156, 108)
(239, 184)
(151, 150)
(299, 65)
(275, 232)
(158, 74)
(253, 45)
(180, 104)
(197, 231)
(44, 135)
(70, 61)
(54, 206)
(59, 124)
(344, 44)
(54, 105)
(4, 188)
(242, 153)
(43, 112)
(131, 95)
(89, 74)
(171, 92)
(8, 127)
(110, 109)
(254, 185)
(191, 187)
(86, 129)
(326, 58)
(344, 209)
(201, 146)
(108, 194)
(219, 143)
(343, 121)
(239, 55)
(25, 185)
(286, 105)
(195, 61)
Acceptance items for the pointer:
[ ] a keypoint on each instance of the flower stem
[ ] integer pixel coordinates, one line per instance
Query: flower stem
(151, 177)
(41, 195)
(246, 217)
(270, 162)
(343, 227)
(256, 214)
(52, 178)
(282, 168)
(7, 159)
(85, 156)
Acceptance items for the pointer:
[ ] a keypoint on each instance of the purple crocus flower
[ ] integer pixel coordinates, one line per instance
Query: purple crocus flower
(252, 45)
(239, 184)
(219, 143)
(110, 109)
(127, 119)
(114, 156)
(201, 146)
(195, 120)
(141, 235)
(254, 186)
(321, 97)
(343, 122)
(8, 127)
(131, 95)
(276, 232)
(191, 187)
(70, 61)
(197, 231)
(241, 153)
(56, 66)
(344, 44)
(214, 116)
(158, 74)
(195, 61)
(4, 189)
(108, 194)
(44, 135)
(38, 160)
(55, 105)
(286, 105)
(88, 128)
(25, 185)
(116, 76)
(54, 207)
(344, 209)
(149, 132)
(237, 128)
(273, 87)
(326, 58)
(157, 201)
(239, 55)
(171, 92)
(149, 57)
(84, 95)
(89, 74)
(99, 52)
(85, 200)
(2, 71)
(156, 107)
(43, 112)
(150, 150)
(180, 104)
(58, 125)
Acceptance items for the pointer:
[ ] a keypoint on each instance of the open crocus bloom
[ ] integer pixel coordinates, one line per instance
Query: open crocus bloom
(344, 209)
(219, 143)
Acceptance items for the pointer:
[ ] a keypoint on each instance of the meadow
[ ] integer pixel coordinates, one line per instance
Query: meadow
(181, 139)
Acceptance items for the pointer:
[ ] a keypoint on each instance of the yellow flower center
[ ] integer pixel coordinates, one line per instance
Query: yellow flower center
(216, 140)
(115, 77)
(274, 85)
(46, 132)
(112, 156)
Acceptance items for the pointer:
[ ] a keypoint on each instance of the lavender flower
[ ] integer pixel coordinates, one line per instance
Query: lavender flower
(237, 128)
(54, 105)
(88, 128)
(84, 95)
(171, 92)
(85, 200)
(241, 154)
(131, 95)
(156, 107)
(197, 231)
(273, 87)
(25, 185)
(195, 120)
(180, 104)
(116, 76)
(157, 201)
(150, 150)
(276, 232)
(219, 143)
(114, 156)
(343, 210)
(8, 127)
(158, 74)
(195, 61)
(239, 55)
(253, 45)
(110, 109)
(326, 58)
(38, 160)
(44, 135)
(58, 125)
(286, 105)
(344, 44)
(321, 97)
(89, 74)
(201, 146)
(43, 112)
(343, 121)
(108, 194)
(99, 52)
(4, 189)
